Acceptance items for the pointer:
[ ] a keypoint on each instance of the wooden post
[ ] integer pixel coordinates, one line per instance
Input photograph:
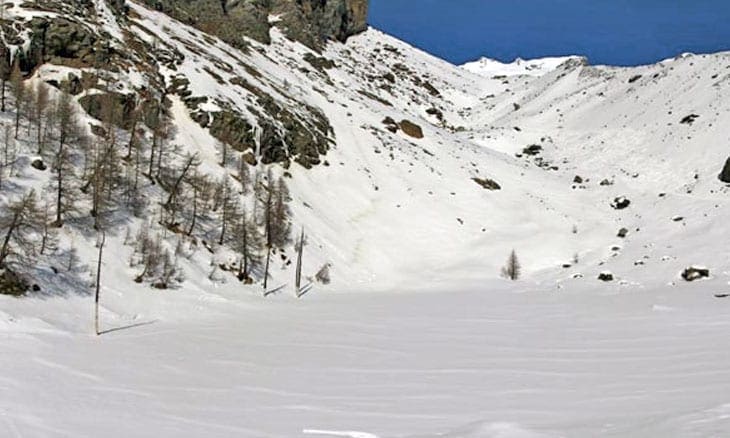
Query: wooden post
(298, 279)
(98, 284)
(266, 273)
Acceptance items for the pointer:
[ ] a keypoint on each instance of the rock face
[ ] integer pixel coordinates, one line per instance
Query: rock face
(725, 174)
(314, 21)
(310, 22)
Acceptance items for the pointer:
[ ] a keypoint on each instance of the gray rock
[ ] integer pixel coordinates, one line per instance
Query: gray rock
(606, 276)
(725, 174)
(694, 273)
(620, 203)
(488, 184)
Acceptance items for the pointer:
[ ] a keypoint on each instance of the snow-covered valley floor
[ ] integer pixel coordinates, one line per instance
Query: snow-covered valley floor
(490, 362)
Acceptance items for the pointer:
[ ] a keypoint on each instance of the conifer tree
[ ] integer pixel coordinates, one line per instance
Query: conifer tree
(19, 90)
(512, 269)
(20, 223)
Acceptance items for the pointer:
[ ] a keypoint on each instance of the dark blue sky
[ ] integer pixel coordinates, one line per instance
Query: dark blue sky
(616, 32)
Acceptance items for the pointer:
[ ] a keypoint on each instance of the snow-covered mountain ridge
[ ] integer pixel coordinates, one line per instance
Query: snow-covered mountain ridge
(529, 67)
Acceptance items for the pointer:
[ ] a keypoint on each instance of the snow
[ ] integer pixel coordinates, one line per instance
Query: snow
(486, 362)
(519, 67)
(417, 336)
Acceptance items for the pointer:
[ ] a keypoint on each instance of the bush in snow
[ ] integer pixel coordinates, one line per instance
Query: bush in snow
(512, 269)
(159, 264)
(323, 275)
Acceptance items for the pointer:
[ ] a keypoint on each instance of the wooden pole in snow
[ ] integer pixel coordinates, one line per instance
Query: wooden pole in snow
(266, 271)
(98, 284)
(298, 280)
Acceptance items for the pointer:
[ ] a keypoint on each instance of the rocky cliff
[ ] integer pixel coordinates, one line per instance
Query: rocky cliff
(310, 22)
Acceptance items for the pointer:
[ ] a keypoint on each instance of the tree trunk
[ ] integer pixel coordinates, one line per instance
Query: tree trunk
(59, 192)
(5, 250)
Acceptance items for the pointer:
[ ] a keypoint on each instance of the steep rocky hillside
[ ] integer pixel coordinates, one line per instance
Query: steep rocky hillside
(403, 170)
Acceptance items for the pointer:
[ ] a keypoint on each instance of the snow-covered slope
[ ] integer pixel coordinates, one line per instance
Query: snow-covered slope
(394, 213)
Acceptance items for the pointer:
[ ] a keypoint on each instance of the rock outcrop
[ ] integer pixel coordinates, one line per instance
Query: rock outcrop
(311, 22)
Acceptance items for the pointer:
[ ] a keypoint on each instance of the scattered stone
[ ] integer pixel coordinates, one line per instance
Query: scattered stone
(320, 63)
(606, 182)
(678, 218)
(391, 125)
(487, 183)
(606, 276)
(620, 203)
(532, 150)
(578, 179)
(634, 79)
(390, 77)
(694, 273)
(623, 232)
(690, 119)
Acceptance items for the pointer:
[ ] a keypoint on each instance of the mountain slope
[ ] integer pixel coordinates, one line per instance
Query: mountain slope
(389, 209)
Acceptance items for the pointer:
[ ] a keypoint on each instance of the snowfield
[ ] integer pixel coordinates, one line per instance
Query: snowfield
(484, 362)
(417, 336)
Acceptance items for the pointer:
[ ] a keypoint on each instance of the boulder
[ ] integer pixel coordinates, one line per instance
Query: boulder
(725, 174)
(620, 203)
(694, 273)
(532, 150)
(487, 183)
(606, 276)
(38, 164)
(411, 129)
(623, 232)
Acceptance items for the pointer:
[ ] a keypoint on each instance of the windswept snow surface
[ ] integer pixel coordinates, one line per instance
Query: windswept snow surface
(479, 362)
